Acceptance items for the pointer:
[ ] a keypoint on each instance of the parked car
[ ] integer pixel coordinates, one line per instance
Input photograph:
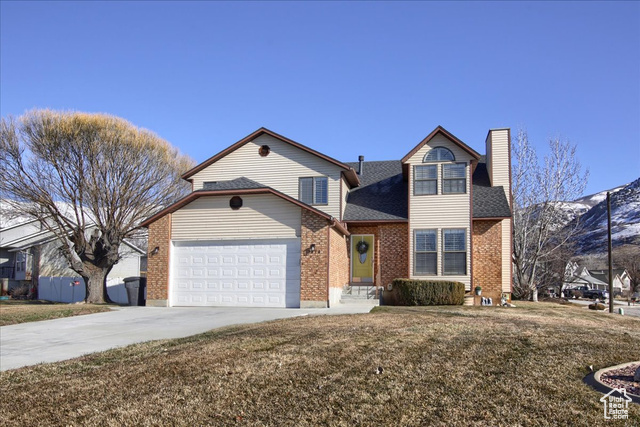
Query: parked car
(576, 292)
(595, 294)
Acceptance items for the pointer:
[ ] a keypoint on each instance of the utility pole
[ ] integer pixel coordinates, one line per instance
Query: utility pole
(609, 243)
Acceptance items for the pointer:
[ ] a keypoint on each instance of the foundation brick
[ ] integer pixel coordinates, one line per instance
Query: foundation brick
(158, 264)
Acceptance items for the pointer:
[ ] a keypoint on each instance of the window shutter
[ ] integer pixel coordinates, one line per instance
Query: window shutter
(321, 185)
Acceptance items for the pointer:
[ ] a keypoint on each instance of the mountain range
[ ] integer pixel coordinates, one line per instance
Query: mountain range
(590, 214)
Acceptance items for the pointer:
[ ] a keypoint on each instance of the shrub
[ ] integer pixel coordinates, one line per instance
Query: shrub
(596, 306)
(424, 292)
(20, 291)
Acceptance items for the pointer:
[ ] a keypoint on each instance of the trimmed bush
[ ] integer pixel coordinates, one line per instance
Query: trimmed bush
(424, 292)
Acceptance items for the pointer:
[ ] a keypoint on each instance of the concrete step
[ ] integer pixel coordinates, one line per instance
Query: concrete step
(359, 295)
(360, 301)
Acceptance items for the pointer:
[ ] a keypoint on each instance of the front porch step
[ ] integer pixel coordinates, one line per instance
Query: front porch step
(359, 295)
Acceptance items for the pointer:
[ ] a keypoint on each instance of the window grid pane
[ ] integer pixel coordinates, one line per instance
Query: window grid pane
(425, 187)
(455, 263)
(306, 190)
(425, 180)
(426, 263)
(454, 171)
(439, 154)
(454, 179)
(455, 251)
(321, 191)
(426, 241)
(426, 172)
(426, 257)
(454, 186)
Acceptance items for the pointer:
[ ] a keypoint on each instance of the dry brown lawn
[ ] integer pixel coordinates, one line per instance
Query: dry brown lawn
(448, 366)
(21, 311)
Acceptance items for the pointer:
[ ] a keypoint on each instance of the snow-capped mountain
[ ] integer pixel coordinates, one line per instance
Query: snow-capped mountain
(625, 218)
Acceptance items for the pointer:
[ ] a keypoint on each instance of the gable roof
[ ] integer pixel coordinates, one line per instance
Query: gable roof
(488, 201)
(237, 187)
(447, 134)
(46, 236)
(350, 174)
(382, 195)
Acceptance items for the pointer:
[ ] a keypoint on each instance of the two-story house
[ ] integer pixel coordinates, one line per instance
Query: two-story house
(271, 222)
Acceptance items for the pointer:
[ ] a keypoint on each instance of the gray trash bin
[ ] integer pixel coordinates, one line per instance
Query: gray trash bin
(136, 287)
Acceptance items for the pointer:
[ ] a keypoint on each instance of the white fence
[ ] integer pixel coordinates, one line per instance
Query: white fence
(64, 289)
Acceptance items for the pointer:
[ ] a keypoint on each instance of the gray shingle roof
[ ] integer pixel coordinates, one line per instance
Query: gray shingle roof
(382, 194)
(488, 202)
(241, 183)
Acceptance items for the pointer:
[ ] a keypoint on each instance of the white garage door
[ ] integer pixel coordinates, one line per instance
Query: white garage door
(249, 273)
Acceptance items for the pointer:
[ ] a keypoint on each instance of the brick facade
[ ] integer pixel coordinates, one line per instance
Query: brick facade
(391, 244)
(487, 258)
(339, 268)
(314, 266)
(158, 264)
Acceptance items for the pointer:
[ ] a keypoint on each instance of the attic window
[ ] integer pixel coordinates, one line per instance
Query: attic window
(264, 150)
(235, 203)
(439, 154)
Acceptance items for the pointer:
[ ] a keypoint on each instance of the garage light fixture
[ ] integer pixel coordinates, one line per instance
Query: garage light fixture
(312, 248)
(155, 250)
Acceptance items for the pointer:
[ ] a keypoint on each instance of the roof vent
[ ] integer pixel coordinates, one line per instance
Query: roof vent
(361, 166)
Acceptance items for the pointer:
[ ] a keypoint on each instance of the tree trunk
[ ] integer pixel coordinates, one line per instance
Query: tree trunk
(94, 284)
(105, 293)
(534, 294)
(35, 273)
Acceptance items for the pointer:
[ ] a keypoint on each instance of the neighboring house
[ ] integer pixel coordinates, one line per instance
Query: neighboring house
(576, 276)
(621, 278)
(271, 222)
(30, 253)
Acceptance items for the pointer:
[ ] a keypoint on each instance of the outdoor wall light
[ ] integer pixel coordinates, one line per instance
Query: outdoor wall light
(312, 248)
(155, 250)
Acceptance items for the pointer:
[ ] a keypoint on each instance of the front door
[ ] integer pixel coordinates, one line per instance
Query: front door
(362, 258)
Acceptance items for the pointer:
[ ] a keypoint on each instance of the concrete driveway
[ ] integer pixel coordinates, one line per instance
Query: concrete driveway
(61, 339)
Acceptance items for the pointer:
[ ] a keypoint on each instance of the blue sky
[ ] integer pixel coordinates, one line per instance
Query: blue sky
(343, 78)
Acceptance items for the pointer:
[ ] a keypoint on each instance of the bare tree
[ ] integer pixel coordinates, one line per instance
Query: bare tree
(90, 179)
(628, 257)
(539, 215)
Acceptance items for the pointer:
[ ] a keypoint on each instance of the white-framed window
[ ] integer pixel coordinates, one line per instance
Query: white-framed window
(454, 259)
(454, 178)
(314, 190)
(425, 180)
(425, 252)
(439, 154)
(21, 262)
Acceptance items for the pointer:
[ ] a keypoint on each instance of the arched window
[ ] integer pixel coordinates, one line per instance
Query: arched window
(439, 154)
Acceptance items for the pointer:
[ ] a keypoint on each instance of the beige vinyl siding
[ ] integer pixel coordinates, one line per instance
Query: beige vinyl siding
(345, 195)
(506, 255)
(262, 216)
(281, 170)
(498, 165)
(441, 211)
